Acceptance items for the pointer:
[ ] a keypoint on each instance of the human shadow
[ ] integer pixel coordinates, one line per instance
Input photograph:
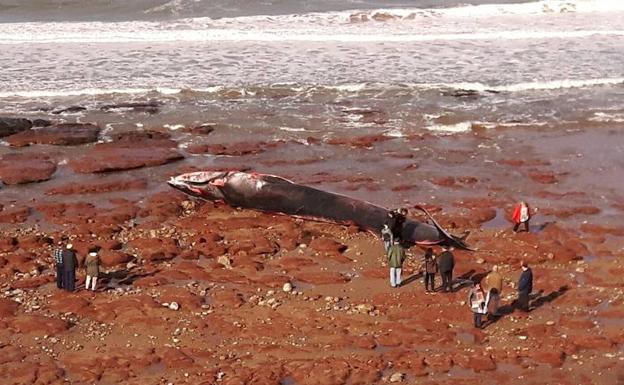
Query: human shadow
(540, 300)
(467, 279)
(412, 278)
(123, 277)
(536, 301)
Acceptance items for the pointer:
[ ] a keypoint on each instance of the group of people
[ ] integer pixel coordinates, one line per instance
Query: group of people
(67, 263)
(392, 233)
(480, 302)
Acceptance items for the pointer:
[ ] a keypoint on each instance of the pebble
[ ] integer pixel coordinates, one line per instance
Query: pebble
(174, 306)
(397, 377)
(287, 287)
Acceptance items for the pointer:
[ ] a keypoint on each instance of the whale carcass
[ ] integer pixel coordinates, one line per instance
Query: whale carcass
(272, 193)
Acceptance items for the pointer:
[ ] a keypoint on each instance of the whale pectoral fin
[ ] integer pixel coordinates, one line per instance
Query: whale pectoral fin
(451, 239)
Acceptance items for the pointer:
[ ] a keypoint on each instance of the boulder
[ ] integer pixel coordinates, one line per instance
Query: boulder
(11, 126)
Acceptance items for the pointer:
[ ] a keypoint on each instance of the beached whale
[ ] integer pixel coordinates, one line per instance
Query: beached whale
(272, 193)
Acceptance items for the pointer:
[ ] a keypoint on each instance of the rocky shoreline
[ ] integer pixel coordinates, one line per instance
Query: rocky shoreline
(269, 299)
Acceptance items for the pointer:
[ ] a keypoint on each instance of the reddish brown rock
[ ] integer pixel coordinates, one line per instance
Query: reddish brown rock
(66, 134)
(551, 357)
(543, 177)
(113, 257)
(126, 155)
(41, 325)
(19, 170)
(327, 245)
(7, 307)
(175, 358)
(155, 249)
(228, 298)
(361, 141)
(97, 188)
(481, 363)
(321, 278)
(231, 149)
(448, 181)
(14, 214)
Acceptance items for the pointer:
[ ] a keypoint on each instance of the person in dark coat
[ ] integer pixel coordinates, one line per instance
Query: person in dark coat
(431, 269)
(396, 221)
(69, 268)
(58, 262)
(446, 264)
(525, 287)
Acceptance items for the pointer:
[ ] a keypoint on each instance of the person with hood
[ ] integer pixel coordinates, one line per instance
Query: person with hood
(476, 300)
(92, 263)
(431, 269)
(525, 287)
(386, 236)
(69, 268)
(396, 257)
(521, 216)
(446, 264)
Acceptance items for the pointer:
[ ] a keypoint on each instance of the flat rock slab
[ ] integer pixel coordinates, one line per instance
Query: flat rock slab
(20, 169)
(66, 134)
(126, 155)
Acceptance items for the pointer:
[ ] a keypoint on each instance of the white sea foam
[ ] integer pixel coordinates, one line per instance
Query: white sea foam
(387, 25)
(344, 88)
(292, 129)
(451, 128)
(607, 117)
(39, 37)
(86, 91)
(525, 86)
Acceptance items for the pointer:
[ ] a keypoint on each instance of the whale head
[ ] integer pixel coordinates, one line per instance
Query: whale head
(201, 184)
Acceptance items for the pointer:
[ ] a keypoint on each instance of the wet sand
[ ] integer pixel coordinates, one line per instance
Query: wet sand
(342, 324)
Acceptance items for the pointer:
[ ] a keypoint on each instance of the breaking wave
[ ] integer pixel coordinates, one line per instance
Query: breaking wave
(349, 88)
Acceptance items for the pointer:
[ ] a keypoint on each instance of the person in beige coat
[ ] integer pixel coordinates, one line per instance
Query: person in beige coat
(494, 284)
(93, 270)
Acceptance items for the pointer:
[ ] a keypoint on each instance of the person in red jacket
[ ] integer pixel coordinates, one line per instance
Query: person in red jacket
(521, 216)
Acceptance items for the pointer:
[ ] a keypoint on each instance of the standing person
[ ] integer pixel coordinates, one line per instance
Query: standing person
(93, 269)
(521, 216)
(431, 269)
(494, 285)
(397, 218)
(396, 256)
(69, 268)
(525, 287)
(386, 236)
(476, 299)
(58, 261)
(446, 264)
